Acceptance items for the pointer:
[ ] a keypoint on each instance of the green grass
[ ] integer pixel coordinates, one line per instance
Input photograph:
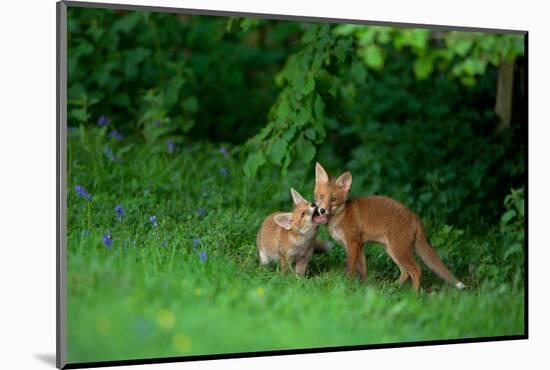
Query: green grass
(150, 295)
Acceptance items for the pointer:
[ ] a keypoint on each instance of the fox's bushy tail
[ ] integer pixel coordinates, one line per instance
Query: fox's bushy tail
(431, 259)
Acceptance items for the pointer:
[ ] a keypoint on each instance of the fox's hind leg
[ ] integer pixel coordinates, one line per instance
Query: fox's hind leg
(404, 274)
(361, 264)
(401, 253)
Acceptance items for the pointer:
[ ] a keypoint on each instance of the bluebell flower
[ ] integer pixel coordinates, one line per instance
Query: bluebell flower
(171, 146)
(157, 122)
(203, 256)
(153, 220)
(107, 240)
(103, 121)
(201, 212)
(117, 135)
(82, 192)
(119, 212)
(196, 242)
(224, 151)
(224, 172)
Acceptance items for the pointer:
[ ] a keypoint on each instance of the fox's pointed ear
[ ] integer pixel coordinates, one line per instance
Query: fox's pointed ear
(321, 175)
(284, 220)
(344, 181)
(296, 197)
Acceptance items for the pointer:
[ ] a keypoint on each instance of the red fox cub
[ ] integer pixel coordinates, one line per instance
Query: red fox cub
(352, 222)
(290, 237)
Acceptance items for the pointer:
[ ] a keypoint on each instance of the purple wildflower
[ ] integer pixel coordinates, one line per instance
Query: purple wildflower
(201, 212)
(224, 172)
(119, 212)
(153, 220)
(103, 121)
(171, 146)
(117, 135)
(196, 242)
(203, 256)
(224, 151)
(107, 240)
(82, 192)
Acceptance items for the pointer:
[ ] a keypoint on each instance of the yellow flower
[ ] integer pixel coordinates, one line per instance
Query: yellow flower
(182, 343)
(260, 291)
(166, 319)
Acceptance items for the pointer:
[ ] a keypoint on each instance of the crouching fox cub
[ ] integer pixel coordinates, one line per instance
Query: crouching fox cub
(290, 237)
(352, 222)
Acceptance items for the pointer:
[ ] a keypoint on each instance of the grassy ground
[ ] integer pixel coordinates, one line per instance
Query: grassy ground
(188, 281)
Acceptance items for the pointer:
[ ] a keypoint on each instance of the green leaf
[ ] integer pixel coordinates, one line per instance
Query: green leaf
(309, 84)
(289, 134)
(310, 35)
(191, 104)
(283, 110)
(468, 80)
(252, 163)
(276, 151)
(127, 22)
(346, 29)
(310, 134)
(358, 71)
(172, 90)
(507, 216)
(248, 23)
(303, 117)
(513, 249)
(419, 38)
(319, 107)
(460, 45)
(373, 57)
(423, 67)
(305, 150)
(80, 114)
(229, 24)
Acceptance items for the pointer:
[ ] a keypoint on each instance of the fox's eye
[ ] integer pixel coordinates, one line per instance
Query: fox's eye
(333, 199)
(303, 214)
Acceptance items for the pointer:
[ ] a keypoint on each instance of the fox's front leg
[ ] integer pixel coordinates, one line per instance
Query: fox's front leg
(355, 260)
(284, 264)
(301, 266)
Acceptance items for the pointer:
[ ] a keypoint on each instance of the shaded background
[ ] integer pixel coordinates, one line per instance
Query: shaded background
(410, 112)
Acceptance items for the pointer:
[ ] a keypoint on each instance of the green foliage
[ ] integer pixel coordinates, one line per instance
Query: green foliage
(115, 58)
(296, 120)
(462, 55)
(512, 226)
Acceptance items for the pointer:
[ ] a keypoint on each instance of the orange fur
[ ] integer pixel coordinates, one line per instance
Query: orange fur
(290, 237)
(352, 222)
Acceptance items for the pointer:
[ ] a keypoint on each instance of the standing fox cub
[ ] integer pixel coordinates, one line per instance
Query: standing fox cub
(352, 222)
(290, 237)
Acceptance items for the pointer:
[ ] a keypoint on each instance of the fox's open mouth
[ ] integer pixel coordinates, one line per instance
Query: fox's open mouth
(318, 218)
